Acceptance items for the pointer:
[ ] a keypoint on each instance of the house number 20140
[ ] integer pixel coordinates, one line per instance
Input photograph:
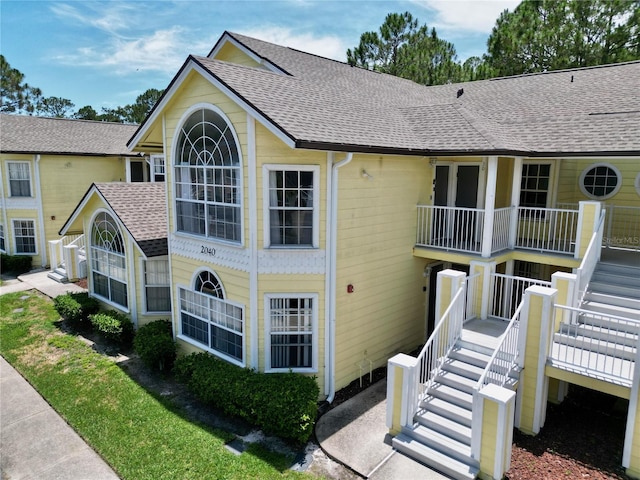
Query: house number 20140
(207, 250)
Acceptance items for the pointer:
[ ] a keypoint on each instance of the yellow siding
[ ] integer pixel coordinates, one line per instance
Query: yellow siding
(24, 214)
(504, 182)
(376, 232)
(490, 435)
(634, 464)
(230, 53)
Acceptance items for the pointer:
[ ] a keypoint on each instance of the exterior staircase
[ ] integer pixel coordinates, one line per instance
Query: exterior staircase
(603, 338)
(441, 434)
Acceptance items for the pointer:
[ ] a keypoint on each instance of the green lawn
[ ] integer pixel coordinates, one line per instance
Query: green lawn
(141, 436)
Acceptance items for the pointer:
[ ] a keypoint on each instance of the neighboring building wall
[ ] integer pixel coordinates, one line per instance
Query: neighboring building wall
(229, 53)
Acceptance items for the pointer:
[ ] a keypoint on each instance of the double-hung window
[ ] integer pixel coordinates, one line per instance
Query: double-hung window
(19, 179)
(291, 199)
(291, 322)
(108, 262)
(534, 186)
(207, 178)
(157, 285)
(210, 321)
(24, 234)
(157, 168)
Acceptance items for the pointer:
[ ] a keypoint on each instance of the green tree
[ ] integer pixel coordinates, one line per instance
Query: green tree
(16, 96)
(54, 107)
(543, 35)
(137, 112)
(86, 113)
(405, 49)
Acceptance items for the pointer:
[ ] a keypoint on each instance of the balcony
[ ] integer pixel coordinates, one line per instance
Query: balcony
(487, 232)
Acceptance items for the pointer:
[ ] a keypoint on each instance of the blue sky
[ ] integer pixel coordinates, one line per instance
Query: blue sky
(105, 54)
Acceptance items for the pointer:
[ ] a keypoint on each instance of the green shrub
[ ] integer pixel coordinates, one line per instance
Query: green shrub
(154, 343)
(15, 264)
(114, 326)
(282, 404)
(76, 308)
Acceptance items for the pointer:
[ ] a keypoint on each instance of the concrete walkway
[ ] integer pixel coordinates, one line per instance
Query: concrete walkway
(35, 442)
(38, 280)
(355, 434)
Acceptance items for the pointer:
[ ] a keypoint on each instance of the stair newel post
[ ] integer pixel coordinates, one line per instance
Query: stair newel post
(537, 324)
(495, 412)
(485, 288)
(588, 217)
(631, 450)
(402, 391)
(70, 254)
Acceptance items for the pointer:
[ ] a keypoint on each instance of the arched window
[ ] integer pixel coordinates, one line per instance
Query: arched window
(108, 262)
(207, 179)
(210, 321)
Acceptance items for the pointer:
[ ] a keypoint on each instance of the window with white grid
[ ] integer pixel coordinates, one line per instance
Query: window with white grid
(108, 262)
(600, 181)
(207, 178)
(210, 321)
(291, 199)
(19, 179)
(534, 185)
(157, 285)
(24, 236)
(157, 168)
(2, 245)
(291, 332)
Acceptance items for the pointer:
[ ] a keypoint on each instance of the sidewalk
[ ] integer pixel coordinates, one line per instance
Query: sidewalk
(355, 434)
(35, 442)
(37, 279)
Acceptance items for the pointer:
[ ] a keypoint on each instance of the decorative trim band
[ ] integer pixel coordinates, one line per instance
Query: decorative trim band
(291, 261)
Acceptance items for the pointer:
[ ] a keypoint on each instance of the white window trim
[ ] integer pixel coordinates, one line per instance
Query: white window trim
(550, 187)
(178, 312)
(591, 167)
(31, 191)
(13, 237)
(174, 211)
(4, 238)
(266, 216)
(155, 160)
(89, 251)
(144, 285)
(637, 184)
(267, 332)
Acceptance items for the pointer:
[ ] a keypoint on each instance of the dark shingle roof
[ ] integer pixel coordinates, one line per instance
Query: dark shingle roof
(321, 103)
(142, 209)
(25, 134)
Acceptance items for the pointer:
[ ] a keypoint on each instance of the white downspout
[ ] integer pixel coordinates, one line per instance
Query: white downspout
(43, 240)
(330, 277)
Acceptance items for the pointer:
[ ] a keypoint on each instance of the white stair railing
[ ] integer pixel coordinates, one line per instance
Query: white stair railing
(602, 349)
(497, 371)
(56, 258)
(58, 254)
(588, 264)
(432, 356)
(507, 292)
(623, 227)
(547, 229)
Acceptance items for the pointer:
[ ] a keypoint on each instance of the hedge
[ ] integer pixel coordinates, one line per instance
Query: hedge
(154, 343)
(114, 326)
(15, 264)
(282, 404)
(76, 308)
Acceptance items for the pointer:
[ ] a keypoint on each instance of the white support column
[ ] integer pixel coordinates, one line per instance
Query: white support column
(448, 282)
(588, 216)
(515, 200)
(486, 269)
(489, 205)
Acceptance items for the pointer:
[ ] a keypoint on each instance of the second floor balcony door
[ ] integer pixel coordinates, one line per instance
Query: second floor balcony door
(458, 224)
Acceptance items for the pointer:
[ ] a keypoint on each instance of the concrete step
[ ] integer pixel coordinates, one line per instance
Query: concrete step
(472, 352)
(445, 426)
(617, 269)
(451, 395)
(604, 276)
(612, 299)
(450, 447)
(604, 333)
(589, 344)
(462, 368)
(58, 277)
(435, 459)
(445, 409)
(608, 309)
(627, 291)
(454, 380)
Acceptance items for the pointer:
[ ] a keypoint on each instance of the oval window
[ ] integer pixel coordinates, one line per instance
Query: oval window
(600, 181)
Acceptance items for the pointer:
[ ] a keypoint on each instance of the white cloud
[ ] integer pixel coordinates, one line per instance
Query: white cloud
(328, 46)
(461, 16)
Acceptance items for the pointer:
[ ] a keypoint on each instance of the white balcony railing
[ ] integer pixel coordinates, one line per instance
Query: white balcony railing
(507, 292)
(623, 227)
(603, 352)
(547, 229)
(450, 228)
